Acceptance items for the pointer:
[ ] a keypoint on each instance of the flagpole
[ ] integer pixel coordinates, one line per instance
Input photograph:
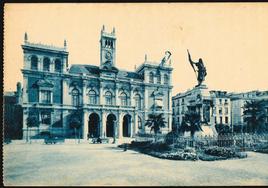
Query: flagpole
(191, 62)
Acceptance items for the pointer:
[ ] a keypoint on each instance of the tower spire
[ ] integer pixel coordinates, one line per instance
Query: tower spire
(65, 43)
(25, 37)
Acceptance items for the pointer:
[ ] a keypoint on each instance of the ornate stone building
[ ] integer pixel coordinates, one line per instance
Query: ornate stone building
(108, 101)
(214, 107)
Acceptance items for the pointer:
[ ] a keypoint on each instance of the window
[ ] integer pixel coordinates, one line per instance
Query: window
(92, 97)
(159, 78)
(220, 120)
(108, 98)
(166, 79)
(34, 63)
(46, 64)
(226, 110)
(215, 120)
(220, 110)
(151, 77)
(138, 101)
(123, 98)
(45, 97)
(225, 101)
(139, 123)
(220, 101)
(75, 97)
(57, 65)
(45, 118)
(226, 120)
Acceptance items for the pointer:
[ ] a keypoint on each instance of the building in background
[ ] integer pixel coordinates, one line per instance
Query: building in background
(213, 106)
(238, 101)
(108, 101)
(12, 114)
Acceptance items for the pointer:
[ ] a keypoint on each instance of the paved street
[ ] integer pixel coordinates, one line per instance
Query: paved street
(105, 164)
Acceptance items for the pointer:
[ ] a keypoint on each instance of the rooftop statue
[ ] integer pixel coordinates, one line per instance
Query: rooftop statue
(166, 58)
(201, 69)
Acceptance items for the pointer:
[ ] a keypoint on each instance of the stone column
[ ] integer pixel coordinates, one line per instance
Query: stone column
(85, 124)
(52, 67)
(116, 95)
(101, 94)
(103, 125)
(65, 92)
(84, 94)
(120, 124)
(146, 98)
(64, 65)
(131, 97)
(65, 122)
(40, 64)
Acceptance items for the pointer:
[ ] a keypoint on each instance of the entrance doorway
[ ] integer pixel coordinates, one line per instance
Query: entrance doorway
(127, 126)
(110, 125)
(93, 125)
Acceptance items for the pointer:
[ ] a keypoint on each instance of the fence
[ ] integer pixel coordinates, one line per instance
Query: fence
(243, 142)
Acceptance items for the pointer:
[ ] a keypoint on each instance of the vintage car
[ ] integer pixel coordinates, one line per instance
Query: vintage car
(53, 139)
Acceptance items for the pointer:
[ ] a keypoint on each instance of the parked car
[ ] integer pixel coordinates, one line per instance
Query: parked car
(54, 139)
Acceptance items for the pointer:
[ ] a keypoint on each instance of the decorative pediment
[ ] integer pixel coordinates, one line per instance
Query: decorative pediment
(45, 83)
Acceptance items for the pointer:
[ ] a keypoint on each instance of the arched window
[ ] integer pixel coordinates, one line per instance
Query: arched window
(34, 63)
(139, 123)
(92, 97)
(75, 97)
(123, 98)
(151, 77)
(159, 78)
(46, 64)
(137, 101)
(166, 79)
(108, 98)
(58, 65)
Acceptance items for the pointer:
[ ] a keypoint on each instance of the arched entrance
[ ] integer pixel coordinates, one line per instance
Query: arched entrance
(93, 125)
(127, 126)
(110, 125)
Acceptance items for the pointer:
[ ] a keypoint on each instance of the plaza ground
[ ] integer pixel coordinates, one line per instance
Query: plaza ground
(106, 164)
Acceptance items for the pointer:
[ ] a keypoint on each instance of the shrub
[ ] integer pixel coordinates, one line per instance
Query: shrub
(220, 151)
(171, 137)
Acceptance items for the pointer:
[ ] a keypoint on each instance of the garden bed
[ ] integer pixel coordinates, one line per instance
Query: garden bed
(173, 152)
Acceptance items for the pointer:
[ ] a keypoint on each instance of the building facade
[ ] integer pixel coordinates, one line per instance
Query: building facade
(213, 106)
(108, 101)
(238, 101)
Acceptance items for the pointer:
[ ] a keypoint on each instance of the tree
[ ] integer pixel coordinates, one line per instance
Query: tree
(155, 122)
(254, 116)
(191, 122)
(32, 121)
(222, 129)
(75, 123)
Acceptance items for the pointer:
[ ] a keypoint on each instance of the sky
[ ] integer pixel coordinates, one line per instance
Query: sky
(232, 39)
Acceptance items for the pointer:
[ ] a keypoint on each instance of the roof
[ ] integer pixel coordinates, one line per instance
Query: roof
(95, 70)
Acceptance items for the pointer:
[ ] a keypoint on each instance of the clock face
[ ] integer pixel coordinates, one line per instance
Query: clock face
(108, 55)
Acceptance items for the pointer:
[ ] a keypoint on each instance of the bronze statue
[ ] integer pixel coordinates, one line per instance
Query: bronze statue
(202, 72)
(166, 58)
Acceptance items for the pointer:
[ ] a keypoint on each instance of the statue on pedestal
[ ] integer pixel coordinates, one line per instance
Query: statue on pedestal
(202, 72)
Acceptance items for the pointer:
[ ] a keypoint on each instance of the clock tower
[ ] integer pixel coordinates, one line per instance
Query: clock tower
(107, 49)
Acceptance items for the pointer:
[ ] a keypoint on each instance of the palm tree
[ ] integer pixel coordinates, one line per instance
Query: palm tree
(254, 115)
(32, 121)
(155, 122)
(191, 122)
